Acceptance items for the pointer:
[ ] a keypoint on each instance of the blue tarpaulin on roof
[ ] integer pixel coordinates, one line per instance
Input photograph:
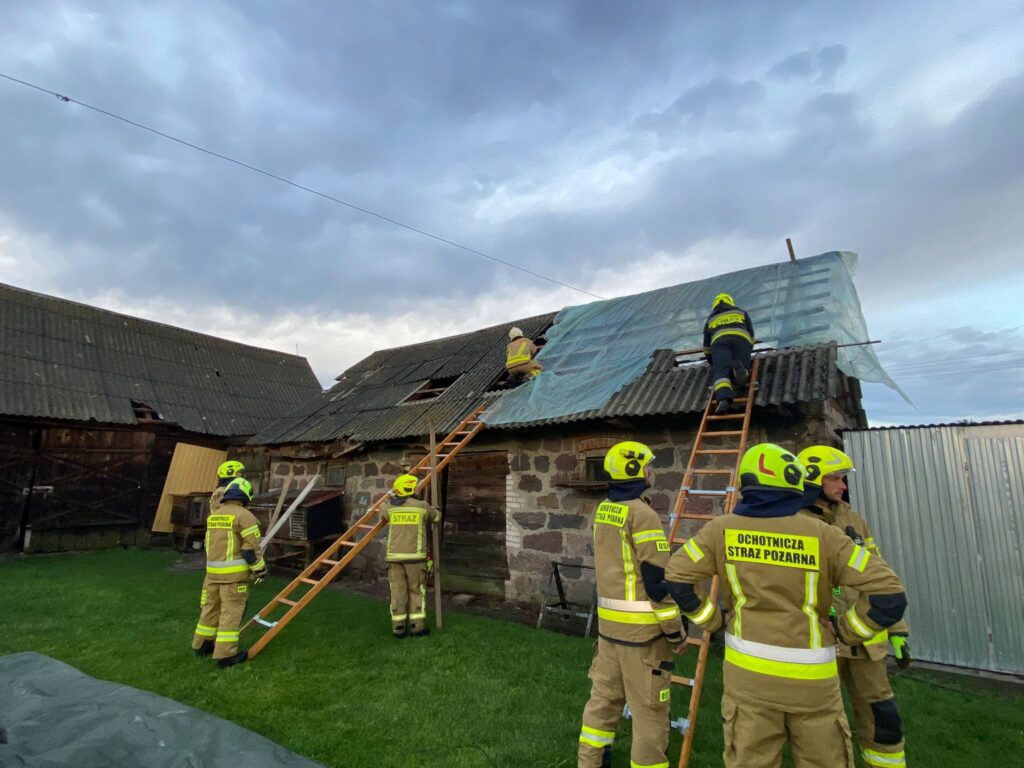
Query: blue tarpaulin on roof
(594, 350)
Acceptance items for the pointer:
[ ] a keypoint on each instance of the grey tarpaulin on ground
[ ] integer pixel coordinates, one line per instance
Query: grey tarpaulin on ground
(53, 715)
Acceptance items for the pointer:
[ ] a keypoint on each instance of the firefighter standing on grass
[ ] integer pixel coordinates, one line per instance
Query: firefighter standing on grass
(728, 341)
(639, 626)
(519, 356)
(862, 668)
(777, 569)
(232, 557)
(408, 519)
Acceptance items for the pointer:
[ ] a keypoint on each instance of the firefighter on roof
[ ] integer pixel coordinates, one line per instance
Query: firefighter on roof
(519, 356)
(232, 557)
(777, 569)
(407, 519)
(639, 626)
(728, 341)
(861, 667)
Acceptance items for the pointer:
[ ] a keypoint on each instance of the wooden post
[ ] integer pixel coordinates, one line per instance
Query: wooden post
(435, 530)
(792, 253)
(280, 501)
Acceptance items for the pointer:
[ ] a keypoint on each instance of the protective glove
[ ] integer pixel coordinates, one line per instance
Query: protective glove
(900, 643)
(259, 576)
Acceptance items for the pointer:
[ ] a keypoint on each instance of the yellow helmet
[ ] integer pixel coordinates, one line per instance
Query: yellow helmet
(821, 460)
(514, 333)
(405, 485)
(626, 460)
(230, 469)
(770, 467)
(238, 489)
(723, 298)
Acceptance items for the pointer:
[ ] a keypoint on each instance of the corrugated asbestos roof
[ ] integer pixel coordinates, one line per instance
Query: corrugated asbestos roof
(797, 375)
(64, 360)
(364, 405)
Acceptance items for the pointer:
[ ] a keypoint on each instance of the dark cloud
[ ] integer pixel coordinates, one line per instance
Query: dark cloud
(821, 65)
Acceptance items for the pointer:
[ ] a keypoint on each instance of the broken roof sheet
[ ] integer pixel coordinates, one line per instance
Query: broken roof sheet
(63, 360)
(596, 350)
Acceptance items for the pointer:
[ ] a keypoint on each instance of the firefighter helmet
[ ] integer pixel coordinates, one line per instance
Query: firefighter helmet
(515, 333)
(405, 485)
(230, 469)
(770, 467)
(238, 489)
(821, 460)
(723, 298)
(626, 460)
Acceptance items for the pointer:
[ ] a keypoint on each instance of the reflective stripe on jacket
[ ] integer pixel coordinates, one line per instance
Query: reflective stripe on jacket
(727, 321)
(231, 531)
(778, 574)
(627, 534)
(519, 351)
(407, 520)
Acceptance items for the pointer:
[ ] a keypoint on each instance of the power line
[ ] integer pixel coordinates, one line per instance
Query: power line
(368, 212)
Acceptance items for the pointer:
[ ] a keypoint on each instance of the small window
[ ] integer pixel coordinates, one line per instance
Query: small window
(431, 389)
(335, 476)
(594, 469)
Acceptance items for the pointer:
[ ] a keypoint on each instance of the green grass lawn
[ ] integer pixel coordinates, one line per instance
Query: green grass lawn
(335, 687)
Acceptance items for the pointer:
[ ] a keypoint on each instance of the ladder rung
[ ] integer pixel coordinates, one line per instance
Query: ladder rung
(718, 450)
(698, 641)
(720, 416)
(680, 680)
(285, 600)
(367, 527)
(304, 580)
(698, 492)
(723, 433)
(712, 471)
(348, 543)
(696, 516)
(331, 563)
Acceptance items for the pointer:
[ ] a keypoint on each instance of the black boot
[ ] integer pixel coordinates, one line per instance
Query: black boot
(238, 658)
(400, 635)
(723, 406)
(205, 649)
(740, 374)
(421, 633)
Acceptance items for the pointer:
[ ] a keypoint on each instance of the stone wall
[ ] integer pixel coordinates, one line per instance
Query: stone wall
(546, 520)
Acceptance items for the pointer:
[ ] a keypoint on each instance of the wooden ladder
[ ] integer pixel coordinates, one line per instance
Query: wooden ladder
(301, 591)
(690, 492)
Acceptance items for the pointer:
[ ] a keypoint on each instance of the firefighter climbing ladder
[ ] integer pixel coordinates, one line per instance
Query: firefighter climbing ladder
(691, 494)
(322, 571)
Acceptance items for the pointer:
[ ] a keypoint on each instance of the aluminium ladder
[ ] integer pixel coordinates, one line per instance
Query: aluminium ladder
(322, 571)
(692, 495)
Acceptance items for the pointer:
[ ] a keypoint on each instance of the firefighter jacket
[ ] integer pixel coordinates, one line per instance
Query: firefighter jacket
(726, 321)
(520, 350)
(407, 520)
(842, 516)
(630, 544)
(777, 573)
(232, 544)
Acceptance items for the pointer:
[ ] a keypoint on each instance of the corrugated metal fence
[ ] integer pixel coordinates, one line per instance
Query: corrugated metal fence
(946, 505)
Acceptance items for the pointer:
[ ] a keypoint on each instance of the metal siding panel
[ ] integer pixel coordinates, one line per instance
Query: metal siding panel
(192, 469)
(914, 490)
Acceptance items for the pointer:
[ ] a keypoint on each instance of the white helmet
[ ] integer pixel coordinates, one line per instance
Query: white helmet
(515, 333)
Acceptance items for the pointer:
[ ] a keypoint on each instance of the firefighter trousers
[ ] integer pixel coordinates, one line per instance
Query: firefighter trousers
(879, 727)
(408, 596)
(724, 353)
(220, 617)
(638, 675)
(754, 735)
(528, 370)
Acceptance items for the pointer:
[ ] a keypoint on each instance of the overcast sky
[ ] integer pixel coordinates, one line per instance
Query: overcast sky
(613, 146)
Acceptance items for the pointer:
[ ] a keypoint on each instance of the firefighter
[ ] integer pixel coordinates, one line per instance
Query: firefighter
(861, 668)
(232, 559)
(777, 570)
(728, 341)
(519, 356)
(639, 627)
(226, 472)
(407, 519)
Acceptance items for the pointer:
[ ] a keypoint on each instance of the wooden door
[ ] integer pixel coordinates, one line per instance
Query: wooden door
(474, 558)
(17, 461)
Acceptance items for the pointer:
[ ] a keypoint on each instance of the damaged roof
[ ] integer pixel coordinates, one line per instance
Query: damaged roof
(63, 360)
(366, 403)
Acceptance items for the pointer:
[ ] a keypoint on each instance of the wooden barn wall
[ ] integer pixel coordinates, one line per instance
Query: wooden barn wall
(81, 488)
